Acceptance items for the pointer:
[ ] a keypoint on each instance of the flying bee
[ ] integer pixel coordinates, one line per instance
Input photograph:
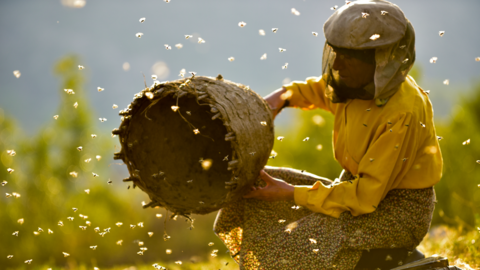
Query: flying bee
(282, 50)
(242, 24)
(139, 34)
(274, 30)
(375, 37)
(142, 20)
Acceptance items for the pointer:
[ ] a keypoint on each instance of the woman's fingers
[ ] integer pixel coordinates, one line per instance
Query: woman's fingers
(251, 194)
(266, 177)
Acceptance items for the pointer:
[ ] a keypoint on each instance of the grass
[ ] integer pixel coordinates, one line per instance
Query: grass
(460, 246)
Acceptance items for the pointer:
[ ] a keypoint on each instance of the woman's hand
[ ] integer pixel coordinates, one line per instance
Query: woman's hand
(275, 190)
(275, 101)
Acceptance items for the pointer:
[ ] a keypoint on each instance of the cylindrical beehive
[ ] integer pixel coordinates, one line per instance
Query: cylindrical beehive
(194, 145)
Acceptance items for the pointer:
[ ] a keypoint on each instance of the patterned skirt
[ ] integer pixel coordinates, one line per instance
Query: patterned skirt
(280, 235)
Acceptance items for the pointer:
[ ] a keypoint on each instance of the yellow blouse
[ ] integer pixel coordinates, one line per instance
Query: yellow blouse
(385, 148)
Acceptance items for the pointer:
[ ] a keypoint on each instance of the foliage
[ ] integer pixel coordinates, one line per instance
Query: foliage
(458, 192)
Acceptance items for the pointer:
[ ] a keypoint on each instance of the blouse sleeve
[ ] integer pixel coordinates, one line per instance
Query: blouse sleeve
(309, 94)
(380, 170)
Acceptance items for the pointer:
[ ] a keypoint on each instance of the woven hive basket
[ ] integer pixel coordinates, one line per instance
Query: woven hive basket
(194, 145)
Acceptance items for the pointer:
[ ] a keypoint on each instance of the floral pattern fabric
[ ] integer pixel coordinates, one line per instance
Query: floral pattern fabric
(281, 235)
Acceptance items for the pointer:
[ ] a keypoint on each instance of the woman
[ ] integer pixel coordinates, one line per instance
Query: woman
(383, 137)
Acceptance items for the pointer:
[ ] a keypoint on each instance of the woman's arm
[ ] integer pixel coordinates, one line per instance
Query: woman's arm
(277, 101)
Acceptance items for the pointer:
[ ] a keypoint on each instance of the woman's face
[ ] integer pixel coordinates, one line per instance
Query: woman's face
(353, 72)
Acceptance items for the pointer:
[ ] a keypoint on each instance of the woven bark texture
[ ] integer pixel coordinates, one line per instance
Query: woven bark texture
(195, 145)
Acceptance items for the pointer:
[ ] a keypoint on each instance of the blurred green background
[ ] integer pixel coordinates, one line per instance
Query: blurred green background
(48, 193)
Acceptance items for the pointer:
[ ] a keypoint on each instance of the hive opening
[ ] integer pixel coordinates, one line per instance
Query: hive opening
(169, 155)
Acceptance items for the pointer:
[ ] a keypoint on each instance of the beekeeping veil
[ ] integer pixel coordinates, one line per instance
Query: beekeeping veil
(378, 26)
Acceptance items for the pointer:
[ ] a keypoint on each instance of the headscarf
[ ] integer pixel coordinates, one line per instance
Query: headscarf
(370, 24)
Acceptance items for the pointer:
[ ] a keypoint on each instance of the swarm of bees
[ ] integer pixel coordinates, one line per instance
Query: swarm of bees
(205, 164)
